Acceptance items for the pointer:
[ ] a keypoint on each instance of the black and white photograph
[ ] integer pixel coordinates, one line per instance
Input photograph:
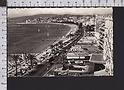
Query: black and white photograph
(60, 42)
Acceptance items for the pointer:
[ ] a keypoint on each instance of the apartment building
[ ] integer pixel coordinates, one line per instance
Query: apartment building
(106, 42)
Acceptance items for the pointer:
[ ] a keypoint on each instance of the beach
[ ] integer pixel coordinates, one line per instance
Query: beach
(34, 38)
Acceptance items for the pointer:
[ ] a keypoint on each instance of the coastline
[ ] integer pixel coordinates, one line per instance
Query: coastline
(73, 28)
(42, 43)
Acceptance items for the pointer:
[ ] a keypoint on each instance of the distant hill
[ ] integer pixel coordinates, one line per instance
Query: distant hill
(22, 19)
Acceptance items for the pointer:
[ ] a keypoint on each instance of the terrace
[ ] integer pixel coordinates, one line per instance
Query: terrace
(97, 58)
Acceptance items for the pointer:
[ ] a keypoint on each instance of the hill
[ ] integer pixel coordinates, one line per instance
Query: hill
(21, 19)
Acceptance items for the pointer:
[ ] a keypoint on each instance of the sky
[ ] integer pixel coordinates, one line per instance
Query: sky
(18, 12)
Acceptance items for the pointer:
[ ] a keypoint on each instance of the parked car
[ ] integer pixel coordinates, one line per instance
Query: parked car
(24, 68)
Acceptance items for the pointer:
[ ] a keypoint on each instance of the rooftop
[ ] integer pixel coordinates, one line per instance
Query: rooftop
(98, 58)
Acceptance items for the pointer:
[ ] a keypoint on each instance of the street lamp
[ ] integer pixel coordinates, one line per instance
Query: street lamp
(53, 3)
(76, 3)
(45, 3)
(60, 3)
(68, 3)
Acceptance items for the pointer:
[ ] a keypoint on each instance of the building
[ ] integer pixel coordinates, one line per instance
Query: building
(106, 43)
(108, 47)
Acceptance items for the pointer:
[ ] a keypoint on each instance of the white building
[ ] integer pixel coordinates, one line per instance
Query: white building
(106, 43)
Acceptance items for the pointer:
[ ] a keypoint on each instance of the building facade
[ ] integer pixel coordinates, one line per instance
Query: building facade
(106, 42)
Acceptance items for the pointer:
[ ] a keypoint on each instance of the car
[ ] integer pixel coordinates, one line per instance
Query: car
(24, 68)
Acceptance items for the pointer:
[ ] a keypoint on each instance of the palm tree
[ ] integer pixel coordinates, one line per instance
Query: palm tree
(15, 58)
(31, 58)
(52, 47)
(60, 44)
(63, 57)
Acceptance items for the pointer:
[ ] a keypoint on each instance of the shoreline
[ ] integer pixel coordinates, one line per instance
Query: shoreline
(72, 27)
(41, 47)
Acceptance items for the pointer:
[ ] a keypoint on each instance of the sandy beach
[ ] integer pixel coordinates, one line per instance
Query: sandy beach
(25, 38)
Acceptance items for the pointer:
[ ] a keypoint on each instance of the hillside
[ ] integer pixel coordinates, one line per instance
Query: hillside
(22, 19)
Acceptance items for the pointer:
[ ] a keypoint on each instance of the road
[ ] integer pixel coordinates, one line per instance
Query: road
(43, 69)
(74, 28)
